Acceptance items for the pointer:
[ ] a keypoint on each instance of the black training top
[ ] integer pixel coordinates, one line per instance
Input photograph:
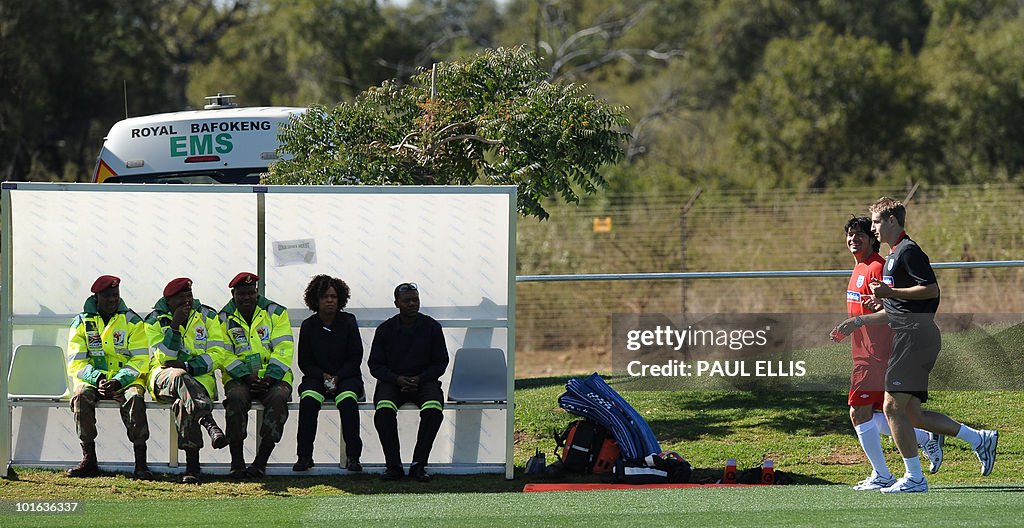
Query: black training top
(336, 349)
(907, 265)
(415, 350)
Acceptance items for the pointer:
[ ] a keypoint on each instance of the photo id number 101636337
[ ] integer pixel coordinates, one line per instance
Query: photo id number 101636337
(40, 507)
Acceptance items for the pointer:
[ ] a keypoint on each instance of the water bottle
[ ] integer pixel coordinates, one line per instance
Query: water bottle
(768, 472)
(730, 472)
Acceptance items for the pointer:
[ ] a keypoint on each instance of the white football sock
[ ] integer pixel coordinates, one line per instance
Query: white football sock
(883, 427)
(922, 437)
(913, 468)
(881, 423)
(871, 443)
(969, 435)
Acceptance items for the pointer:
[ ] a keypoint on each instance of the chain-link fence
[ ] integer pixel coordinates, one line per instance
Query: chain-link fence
(560, 322)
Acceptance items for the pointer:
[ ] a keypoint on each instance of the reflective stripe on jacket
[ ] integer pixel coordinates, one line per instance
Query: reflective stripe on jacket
(115, 349)
(264, 348)
(199, 342)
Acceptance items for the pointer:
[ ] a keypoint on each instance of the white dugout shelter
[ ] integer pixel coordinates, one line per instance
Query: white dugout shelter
(456, 243)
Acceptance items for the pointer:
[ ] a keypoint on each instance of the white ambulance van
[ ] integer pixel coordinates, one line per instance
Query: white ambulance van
(219, 144)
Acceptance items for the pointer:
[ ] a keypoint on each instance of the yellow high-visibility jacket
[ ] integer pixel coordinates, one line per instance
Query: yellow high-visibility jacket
(264, 348)
(114, 349)
(199, 343)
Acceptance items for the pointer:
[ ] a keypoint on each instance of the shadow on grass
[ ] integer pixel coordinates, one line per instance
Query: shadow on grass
(44, 483)
(713, 475)
(541, 383)
(720, 414)
(372, 484)
(31, 482)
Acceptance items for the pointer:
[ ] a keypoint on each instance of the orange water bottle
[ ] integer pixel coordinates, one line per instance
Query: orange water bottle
(730, 472)
(768, 472)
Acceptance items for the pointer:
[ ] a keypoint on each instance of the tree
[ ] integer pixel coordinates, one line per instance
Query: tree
(439, 29)
(576, 37)
(734, 34)
(971, 13)
(324, 51)
(189, 34)
(296, 53)
(976, 83)
(490, 119)
(827, 108)
(898, 24)
(63, 92)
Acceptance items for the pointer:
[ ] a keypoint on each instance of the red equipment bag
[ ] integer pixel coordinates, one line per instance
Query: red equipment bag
(587, 447)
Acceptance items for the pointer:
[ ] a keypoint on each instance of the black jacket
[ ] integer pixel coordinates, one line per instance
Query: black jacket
(415, 350)
(336, 349)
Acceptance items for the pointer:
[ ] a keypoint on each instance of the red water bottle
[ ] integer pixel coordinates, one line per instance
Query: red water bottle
(768, 472)
(730, 472)
(838, 336)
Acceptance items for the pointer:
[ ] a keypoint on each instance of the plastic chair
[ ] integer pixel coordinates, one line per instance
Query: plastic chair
(38, 372)
(479, 375)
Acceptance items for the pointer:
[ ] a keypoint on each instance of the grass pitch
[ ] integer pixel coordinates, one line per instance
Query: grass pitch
(728, 507)
(807, 434)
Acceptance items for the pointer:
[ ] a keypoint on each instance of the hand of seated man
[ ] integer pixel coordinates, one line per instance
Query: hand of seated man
(109, 388)
(408, 383)
(259, 388)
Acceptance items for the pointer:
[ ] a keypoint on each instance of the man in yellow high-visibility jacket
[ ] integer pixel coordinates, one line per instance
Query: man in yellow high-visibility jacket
(108, 358)
(188, 347)
(258, 338)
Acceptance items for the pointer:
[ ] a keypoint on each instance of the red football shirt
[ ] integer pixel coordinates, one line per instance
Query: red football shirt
(870, 343)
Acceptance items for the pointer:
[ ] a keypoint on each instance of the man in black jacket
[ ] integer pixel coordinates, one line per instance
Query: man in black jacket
(407, 357)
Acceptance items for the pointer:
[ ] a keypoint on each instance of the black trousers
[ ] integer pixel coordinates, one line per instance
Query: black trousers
(387, 399)
(345, 398)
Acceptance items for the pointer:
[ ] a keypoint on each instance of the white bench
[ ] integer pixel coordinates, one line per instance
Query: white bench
(477, 384)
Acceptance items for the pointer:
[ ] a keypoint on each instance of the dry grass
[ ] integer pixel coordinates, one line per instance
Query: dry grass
(559, 324)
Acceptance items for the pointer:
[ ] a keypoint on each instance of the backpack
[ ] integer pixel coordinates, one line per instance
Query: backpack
(594, 399)
(586, 447)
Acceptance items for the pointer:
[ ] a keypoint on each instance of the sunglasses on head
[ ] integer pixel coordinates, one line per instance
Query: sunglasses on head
(406, 287)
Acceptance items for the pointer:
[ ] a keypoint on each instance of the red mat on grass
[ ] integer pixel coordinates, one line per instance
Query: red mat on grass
(596, 487)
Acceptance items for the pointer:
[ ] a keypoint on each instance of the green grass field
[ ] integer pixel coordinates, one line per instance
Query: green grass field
(756, 506)
(807, 433)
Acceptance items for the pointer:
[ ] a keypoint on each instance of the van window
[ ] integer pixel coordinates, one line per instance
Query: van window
(238, 176)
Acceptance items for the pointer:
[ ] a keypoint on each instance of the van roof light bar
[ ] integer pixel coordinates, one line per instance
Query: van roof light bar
(220, 101)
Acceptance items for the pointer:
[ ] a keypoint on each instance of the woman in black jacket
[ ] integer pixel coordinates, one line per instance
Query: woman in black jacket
(330, 354)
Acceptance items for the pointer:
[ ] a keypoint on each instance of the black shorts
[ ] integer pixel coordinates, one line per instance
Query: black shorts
(913, 357)
(427, 391)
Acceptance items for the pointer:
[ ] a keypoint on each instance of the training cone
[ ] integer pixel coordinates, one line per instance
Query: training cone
(730, 472)
(768, 472)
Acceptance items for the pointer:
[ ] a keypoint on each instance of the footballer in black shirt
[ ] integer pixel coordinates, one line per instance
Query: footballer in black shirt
(906, 266)
(910, 294)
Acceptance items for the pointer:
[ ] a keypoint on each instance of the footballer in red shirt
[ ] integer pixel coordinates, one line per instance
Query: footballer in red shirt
(872, 346)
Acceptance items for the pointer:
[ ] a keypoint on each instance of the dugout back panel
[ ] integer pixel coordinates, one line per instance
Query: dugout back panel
(456, 243)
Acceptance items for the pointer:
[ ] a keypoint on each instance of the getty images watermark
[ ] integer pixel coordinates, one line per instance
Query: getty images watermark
(796, 352)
